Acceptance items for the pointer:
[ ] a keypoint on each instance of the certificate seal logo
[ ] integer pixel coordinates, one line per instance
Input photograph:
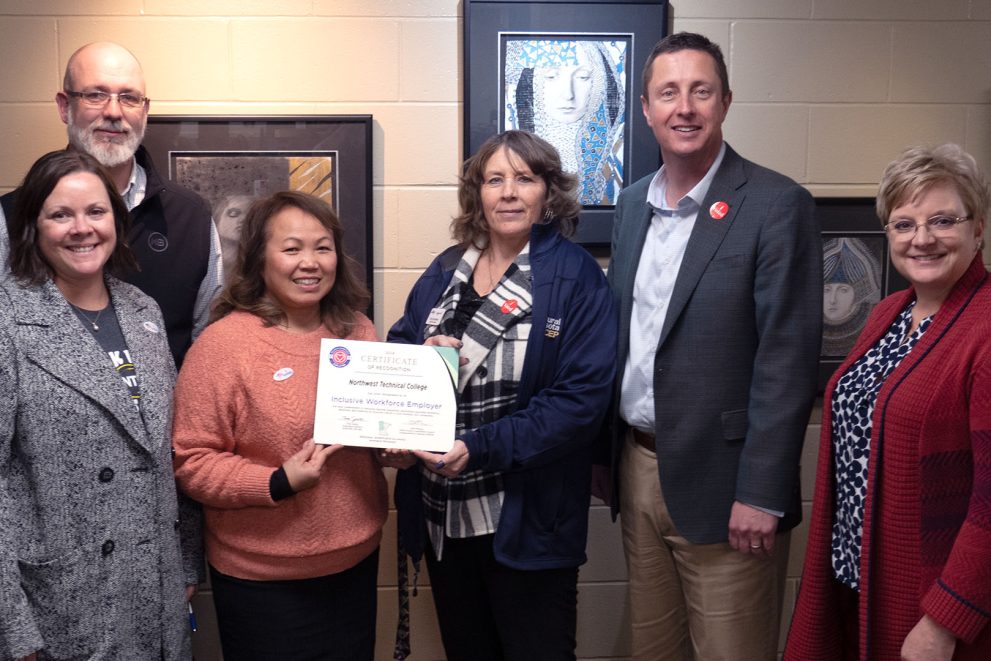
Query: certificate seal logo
(340, 357)
(283, 374)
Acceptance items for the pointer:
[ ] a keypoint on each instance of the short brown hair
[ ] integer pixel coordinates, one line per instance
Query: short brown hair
(686, 41)
(561, 203)
(27, 263)
(917, 169)
(246, 289)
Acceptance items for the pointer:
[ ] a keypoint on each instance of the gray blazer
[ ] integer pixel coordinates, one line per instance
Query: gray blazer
(735, 368)
(90, 558)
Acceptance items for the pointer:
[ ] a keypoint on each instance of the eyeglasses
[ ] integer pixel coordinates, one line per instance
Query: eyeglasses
(98, 99)
(938, 225)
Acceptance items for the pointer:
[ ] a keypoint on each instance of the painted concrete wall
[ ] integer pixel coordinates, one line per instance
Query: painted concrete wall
(826, 91)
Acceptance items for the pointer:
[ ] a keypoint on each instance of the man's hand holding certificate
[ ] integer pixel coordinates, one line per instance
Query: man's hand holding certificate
(381, 395)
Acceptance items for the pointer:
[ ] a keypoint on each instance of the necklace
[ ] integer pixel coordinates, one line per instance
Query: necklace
(93, 321)
(492, 280)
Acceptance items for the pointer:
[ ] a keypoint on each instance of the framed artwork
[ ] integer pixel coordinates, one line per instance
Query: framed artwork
(857, 273)
(569, 71)
(231, 161)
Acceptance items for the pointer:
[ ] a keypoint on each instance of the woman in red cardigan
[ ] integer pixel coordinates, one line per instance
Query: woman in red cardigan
(898, 563)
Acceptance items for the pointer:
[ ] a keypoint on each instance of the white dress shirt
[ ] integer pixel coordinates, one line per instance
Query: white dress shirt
(660, 261)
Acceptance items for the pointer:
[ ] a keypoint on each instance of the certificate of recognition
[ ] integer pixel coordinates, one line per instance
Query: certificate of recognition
(381, 395)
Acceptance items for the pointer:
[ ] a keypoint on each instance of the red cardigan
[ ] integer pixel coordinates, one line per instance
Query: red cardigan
(927, 519)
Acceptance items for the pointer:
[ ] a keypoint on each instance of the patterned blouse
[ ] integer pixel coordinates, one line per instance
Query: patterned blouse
(852, 408)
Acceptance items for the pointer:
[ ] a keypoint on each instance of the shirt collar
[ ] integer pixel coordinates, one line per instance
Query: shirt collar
(657, 191)
(137, 186)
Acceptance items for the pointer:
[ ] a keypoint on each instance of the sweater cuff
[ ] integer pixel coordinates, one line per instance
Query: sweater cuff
(278, 485)
(951, 610)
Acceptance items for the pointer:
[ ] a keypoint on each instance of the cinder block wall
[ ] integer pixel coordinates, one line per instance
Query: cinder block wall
(827, 91)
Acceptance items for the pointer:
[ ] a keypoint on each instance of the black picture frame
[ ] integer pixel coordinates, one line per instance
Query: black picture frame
(237, 157)
(490, 25)
(850, 225)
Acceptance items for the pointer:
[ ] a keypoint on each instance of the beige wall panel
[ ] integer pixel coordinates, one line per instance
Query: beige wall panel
(228, 7)
(182, 59)
(737, 9)
(941, 62)
(318, 59)
(422, 224)
(422, 145)
(391, 290)
(429, 61)
(776, 136)
(807, 61)
(980, 10)
(391, 8)
(853, 144)
(895, 10)
(27, 132)
(32, 44)
(424, 632)
(71, 7)
(606, 561)
(978, 140)
(603, 621)
(385, 230)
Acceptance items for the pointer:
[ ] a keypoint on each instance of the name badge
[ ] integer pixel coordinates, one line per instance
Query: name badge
(435, 316)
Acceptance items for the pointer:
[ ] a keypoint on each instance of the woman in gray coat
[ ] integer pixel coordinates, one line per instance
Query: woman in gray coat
(90, 560)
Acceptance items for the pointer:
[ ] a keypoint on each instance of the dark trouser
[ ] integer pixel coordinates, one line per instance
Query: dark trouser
(488, 611)
(319, 619)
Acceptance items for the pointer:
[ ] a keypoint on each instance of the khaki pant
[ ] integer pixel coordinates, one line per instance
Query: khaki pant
(705, 602)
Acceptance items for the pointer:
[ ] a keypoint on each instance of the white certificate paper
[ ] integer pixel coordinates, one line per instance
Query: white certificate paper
(381, 395)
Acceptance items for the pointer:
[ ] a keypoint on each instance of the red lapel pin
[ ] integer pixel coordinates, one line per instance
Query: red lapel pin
(718, 210)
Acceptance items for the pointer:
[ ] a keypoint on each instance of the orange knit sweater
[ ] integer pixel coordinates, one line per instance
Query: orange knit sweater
(236, 423)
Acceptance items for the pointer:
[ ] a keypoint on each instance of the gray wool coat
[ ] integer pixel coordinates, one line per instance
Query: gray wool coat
(91, 565)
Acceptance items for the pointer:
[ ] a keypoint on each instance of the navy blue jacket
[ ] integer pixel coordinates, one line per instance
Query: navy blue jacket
(544, 448)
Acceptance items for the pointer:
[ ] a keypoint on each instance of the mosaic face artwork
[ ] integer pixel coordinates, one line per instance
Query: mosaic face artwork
(572, 93)
(231, 181)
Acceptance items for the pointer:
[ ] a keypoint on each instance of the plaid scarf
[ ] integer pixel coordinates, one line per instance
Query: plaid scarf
(495, 338)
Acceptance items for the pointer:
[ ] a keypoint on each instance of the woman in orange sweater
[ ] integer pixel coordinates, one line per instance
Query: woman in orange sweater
(292, 528)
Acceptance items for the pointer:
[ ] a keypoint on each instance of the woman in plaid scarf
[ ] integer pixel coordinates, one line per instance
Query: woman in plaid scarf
(503, 516)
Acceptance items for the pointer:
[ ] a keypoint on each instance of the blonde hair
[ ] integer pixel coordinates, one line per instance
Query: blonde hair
(920, 168)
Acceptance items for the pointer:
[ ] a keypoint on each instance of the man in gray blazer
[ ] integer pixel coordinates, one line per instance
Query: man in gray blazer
(717, 272)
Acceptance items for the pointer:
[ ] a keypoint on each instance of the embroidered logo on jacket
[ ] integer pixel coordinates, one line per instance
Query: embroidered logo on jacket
(553, 328)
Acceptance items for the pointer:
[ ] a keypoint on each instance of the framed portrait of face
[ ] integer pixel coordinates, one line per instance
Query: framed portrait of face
(569, 72)
(857, 274)
(232, 161)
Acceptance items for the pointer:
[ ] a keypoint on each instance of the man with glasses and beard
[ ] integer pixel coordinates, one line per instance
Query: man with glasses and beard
(104, 107)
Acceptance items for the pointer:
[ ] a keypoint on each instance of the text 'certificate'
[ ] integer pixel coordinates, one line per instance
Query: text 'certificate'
(381, 395)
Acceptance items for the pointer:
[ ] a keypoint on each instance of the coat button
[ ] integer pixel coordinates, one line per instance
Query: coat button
(173, 452)
(176, 524)
(108, 547)
(482, 371)
(106, 474)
